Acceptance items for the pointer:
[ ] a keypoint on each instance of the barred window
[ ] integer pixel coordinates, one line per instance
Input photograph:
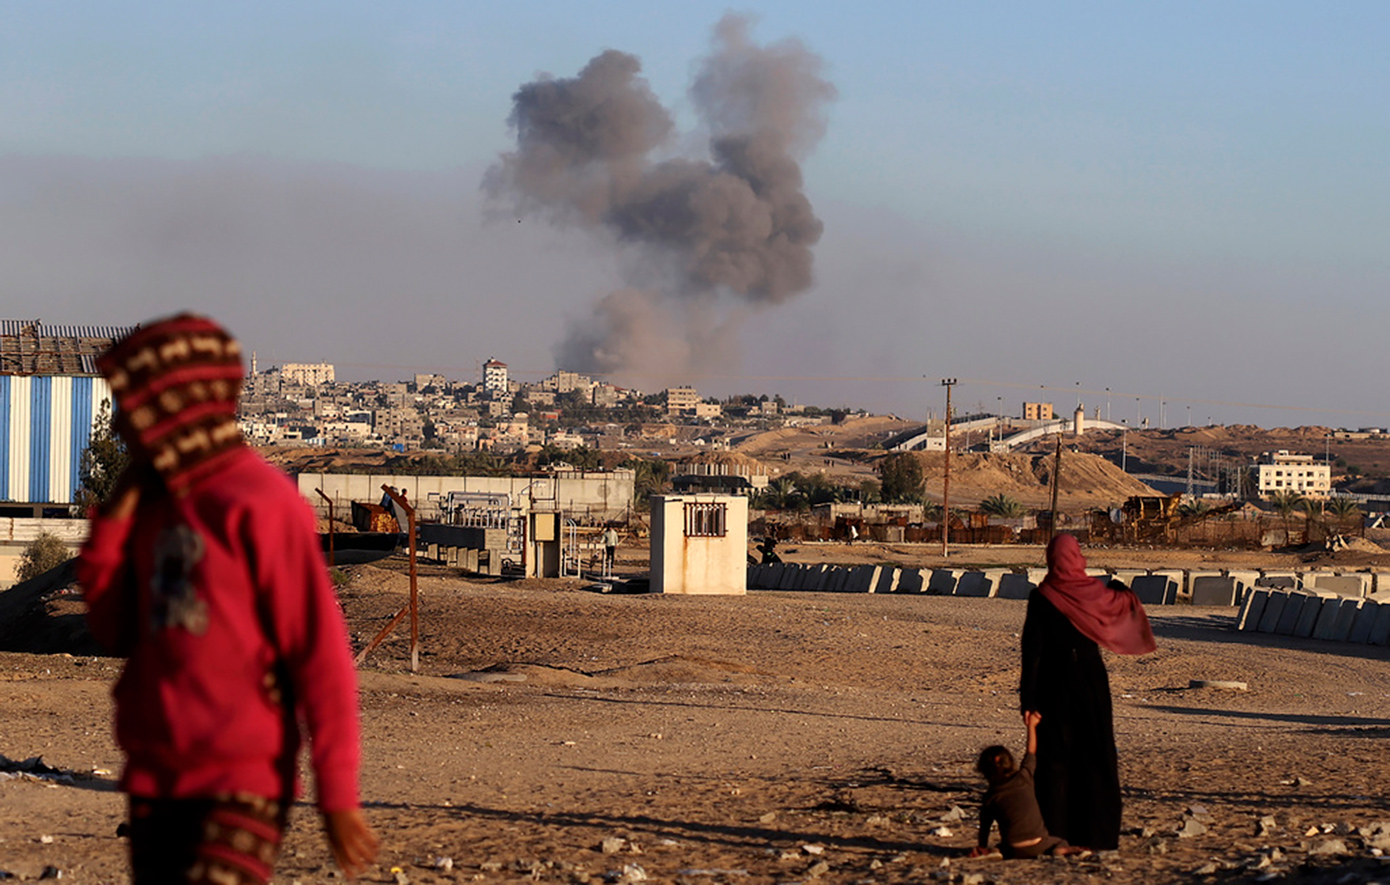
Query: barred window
(705, 520)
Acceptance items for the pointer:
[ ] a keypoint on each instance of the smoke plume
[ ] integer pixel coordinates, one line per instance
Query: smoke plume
(703, 238)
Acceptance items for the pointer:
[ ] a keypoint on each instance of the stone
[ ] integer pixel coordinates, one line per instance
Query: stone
(818, 869)
(973, 584)
(1293, 606)
(1014, 586)
(612, 845)
(943, 581)
(910, 581)
(1327, 847)
(1311, 613)
(954, 815)
(1155, 589)
(1190, 827)
(1346, 619)
(1266, 826)
(888, 579)
(1365, 620)
(1252, 608)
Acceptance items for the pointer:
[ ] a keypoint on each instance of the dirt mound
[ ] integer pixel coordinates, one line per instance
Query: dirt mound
(1086, 480)
(854, 433)
(732, 459)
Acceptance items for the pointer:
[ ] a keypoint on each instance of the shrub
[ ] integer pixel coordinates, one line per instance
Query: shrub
(45, 552)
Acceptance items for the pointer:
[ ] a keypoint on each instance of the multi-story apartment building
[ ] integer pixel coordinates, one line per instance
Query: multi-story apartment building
(1282, 471)
(681, 399)
(307, 374)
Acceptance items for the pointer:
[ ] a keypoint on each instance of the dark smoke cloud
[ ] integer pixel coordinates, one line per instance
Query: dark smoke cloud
(705, 236)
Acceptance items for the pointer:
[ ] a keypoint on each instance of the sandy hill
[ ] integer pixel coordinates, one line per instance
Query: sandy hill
(1086, 480)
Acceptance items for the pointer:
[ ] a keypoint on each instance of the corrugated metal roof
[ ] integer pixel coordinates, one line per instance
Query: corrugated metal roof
(28, 347)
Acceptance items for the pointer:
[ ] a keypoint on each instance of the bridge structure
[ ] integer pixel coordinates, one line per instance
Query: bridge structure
(923, 438)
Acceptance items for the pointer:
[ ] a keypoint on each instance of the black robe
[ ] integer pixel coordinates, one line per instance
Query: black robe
(1078, 779)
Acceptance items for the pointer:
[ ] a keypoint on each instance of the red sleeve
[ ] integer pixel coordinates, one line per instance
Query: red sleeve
(104, 571)
(311, 636)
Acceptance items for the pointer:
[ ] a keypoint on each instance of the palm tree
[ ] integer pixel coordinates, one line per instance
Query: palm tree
(1193, 508)
(1344, 510)
(1286, 501)
(778, 494)
(1003, 506)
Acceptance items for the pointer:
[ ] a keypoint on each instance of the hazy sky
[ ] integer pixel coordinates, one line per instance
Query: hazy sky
(1181, 200)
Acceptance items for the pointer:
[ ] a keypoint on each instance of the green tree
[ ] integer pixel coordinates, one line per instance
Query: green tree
(1002, 506)
(1193, 508)
(900, 476)
(1285, 502)
(102, 463)
(45, 552)
(650, 476)
(1344, 511)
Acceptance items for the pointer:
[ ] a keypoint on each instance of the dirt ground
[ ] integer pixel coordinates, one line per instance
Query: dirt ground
(556, 734)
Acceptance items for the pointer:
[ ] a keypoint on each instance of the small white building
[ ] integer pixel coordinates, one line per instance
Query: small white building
(699, 544)
(1282, 471)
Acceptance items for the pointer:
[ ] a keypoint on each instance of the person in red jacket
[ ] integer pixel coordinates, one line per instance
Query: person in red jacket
(204, 570)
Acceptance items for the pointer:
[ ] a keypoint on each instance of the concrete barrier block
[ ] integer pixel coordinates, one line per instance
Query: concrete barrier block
(1014, 586)
(910, 581)
(1342, 585)
(1380, 583)
(974, 584)
(1102, 573)
(888, 579)
(1196, 576)
(1179, 579)
(1126, 576)
(1279, 580)
(787, 580)
(943, 581)
(810, 578)
(1275, 600)
(1155, 589)
(1326, 625)
(1346, 618)
(835, 579)
(1380, 627)
(1253, 608)
(1365, 621)
(801, 575)
(1214, 590)
(994, 575)
(862, 579)
(1244, 578)
(1293, 608)
(1313, 604)
(1036, 575)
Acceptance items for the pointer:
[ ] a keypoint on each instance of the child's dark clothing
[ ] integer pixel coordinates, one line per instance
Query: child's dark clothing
(1013, 805)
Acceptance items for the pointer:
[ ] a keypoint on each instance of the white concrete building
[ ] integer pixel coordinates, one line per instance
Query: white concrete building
(495, 377)
(681, 399)
(1282, 471)
(699, 544)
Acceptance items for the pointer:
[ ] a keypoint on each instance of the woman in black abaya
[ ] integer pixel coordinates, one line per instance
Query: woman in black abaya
(1069, 617)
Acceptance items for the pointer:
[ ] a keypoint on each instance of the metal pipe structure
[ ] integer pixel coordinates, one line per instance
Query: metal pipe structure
(414, 607)
(1056, 481)
(329, 501)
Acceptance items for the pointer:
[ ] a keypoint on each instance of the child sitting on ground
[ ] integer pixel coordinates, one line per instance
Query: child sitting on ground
(1010, 801)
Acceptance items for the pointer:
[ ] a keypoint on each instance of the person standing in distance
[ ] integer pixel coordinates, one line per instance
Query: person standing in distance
(204, 570)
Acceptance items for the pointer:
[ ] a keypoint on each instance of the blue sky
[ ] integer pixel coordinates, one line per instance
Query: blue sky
(1179, 199)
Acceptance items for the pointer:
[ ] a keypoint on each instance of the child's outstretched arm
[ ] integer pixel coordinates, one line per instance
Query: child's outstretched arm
(1031, 718)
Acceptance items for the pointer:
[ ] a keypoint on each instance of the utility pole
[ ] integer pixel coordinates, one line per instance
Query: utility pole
(947, 383)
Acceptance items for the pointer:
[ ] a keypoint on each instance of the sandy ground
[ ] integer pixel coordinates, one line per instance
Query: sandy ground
(769, 738)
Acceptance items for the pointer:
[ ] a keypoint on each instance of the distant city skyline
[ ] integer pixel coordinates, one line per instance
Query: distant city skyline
(1182, 201)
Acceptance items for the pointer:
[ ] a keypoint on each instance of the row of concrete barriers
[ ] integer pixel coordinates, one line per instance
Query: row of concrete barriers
(1153, 586)
(1316, 614)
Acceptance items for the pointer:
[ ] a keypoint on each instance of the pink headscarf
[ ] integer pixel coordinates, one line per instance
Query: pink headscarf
(1112, 618)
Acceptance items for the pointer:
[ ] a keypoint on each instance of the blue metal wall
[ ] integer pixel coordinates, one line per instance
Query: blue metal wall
(45, 426)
